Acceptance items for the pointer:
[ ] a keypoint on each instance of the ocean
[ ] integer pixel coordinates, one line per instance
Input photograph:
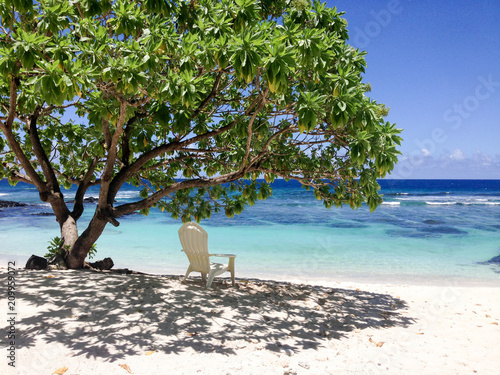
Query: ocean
(426, 231)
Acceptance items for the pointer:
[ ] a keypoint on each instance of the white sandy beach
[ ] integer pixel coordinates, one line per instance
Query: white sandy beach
(83, 322)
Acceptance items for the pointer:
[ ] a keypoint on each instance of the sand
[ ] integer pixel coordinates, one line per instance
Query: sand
(84, 322)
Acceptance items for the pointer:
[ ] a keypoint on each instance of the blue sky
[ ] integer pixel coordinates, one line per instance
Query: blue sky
(437, 65)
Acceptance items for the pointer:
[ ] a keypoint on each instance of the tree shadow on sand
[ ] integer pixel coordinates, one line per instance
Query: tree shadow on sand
(111, 316)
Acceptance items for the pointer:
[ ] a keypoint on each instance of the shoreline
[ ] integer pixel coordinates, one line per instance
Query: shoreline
(394, 279)
(94, 322)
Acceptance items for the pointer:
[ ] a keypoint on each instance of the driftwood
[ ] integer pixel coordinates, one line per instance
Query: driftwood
(103, 265)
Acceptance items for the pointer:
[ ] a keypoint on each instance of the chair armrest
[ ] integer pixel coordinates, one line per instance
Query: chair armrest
(223, 255)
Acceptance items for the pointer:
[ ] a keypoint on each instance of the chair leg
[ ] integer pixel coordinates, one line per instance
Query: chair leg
(187, 273)
(231, 268)
(203, 278)
(210, 279)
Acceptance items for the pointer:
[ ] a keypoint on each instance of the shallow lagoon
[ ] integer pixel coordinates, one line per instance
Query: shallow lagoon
(426, 229)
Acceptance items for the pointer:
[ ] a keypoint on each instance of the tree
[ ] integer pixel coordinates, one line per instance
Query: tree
(221, 92)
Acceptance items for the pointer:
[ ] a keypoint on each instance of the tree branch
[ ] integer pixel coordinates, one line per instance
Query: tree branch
(303, 180)
(106, 132)
(128, 172)
(126, 139)
(107, 174)
(50, 108)
(40, 153)
(6, 128)
(20, 177)
(209, 97)
(155, 197)
(12, 103)
(250, 133)
(82, 189)
(264, 149)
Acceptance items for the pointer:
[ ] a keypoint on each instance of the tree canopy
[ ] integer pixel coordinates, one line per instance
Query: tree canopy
(192, 100)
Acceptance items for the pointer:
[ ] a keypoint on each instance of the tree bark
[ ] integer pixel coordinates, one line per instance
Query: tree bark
(69, 232)
(81, 247)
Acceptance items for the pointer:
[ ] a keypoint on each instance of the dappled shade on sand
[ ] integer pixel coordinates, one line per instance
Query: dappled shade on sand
(110, 316)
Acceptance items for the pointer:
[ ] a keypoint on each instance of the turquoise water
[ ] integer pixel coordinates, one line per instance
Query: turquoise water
(425, 230)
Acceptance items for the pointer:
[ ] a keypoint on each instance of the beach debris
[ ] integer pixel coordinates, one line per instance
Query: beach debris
(284, 363)
(241, 345)
(57, 262)
(305, 365)
(319, 300)
(266, 318)
(36, 263)
(151, 352)
(127, 368)
(60, 371)
(495, 323)
(387, 315)
(122, 271)
(377, 344)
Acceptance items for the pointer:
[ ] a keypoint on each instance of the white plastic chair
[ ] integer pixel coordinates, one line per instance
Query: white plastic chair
(194, 242)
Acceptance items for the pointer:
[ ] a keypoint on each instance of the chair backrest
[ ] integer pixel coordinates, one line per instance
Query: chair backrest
(194, 242)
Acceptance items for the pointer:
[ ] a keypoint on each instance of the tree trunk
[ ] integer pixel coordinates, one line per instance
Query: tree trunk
(69, 232)
(81, 247)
